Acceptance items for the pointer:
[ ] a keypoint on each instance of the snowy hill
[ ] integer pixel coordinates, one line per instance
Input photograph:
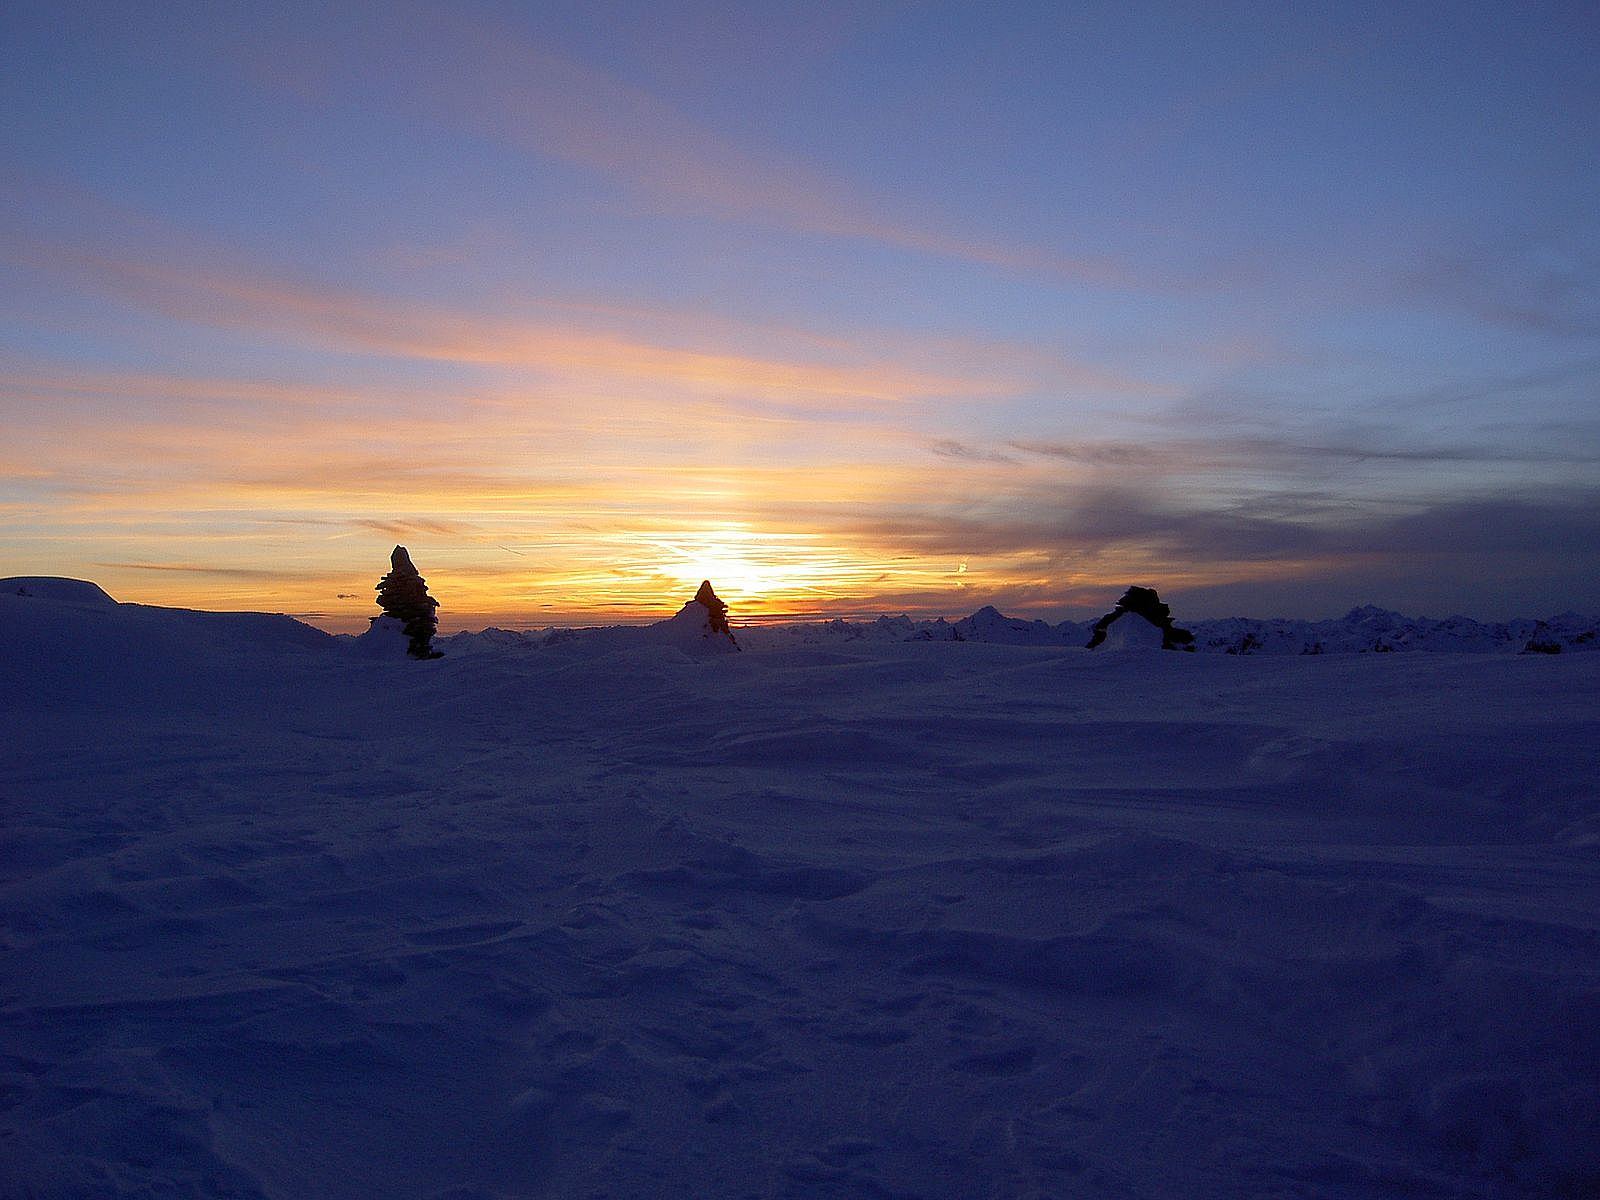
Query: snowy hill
(598, 914)
(53, 587)
(74, 640)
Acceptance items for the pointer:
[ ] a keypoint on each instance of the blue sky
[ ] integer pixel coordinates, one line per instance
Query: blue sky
(859, 307)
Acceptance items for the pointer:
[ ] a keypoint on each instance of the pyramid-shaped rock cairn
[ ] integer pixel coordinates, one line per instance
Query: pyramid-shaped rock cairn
(716, 609)
(1143, 602)
(716, 612)
(403, 595)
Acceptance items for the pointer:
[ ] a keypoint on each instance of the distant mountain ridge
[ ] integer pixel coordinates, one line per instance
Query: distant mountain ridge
(1364, 630)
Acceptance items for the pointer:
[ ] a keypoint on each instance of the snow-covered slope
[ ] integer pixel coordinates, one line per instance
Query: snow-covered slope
(70, 645)
(1131, 632)
(843, 918)
(56, 588)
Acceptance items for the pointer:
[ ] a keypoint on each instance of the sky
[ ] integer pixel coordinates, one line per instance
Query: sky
(850, 308)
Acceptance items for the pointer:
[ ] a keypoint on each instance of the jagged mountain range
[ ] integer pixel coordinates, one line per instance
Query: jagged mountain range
(1367, 629)
(1363, 630)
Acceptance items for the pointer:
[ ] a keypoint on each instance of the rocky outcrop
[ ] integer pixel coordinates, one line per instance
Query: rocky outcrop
(403, 596)
(716, 610)
(1144, 603)
(708, 614)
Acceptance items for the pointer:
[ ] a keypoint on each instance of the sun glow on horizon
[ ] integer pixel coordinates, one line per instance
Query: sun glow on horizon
(580, 332)
(757, 569)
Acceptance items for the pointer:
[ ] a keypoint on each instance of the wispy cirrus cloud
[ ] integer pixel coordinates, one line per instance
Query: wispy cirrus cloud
(1543, 280)
(1286, 455)
(417, 525)
(968, 452)
(351, 321)
(525, 94)
(590, 347)
(246, 574)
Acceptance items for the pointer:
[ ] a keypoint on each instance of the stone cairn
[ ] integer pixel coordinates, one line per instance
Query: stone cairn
(1143, 602)
(403, 595)
(716, 613)
(717, 608)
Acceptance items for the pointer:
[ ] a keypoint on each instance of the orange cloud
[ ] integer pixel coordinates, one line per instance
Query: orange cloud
(347, 320)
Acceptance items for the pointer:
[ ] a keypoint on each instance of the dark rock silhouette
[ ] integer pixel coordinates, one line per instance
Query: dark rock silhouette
(718, 610)
(716, 614)
(1143, 602)
(403, 595)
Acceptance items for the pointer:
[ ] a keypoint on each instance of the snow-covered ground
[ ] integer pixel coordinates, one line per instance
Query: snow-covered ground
(839, 916)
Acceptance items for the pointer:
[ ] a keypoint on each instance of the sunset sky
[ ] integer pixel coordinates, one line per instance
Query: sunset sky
(850, 308)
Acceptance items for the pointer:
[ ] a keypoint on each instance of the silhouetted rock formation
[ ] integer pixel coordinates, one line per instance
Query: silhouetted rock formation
(703, 623)
(717, 609)
(403, 595)
(1143, 602)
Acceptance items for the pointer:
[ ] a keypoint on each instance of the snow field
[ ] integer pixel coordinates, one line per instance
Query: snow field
(853, 919)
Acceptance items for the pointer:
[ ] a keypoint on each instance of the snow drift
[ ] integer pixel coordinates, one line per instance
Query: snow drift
(840, 916)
